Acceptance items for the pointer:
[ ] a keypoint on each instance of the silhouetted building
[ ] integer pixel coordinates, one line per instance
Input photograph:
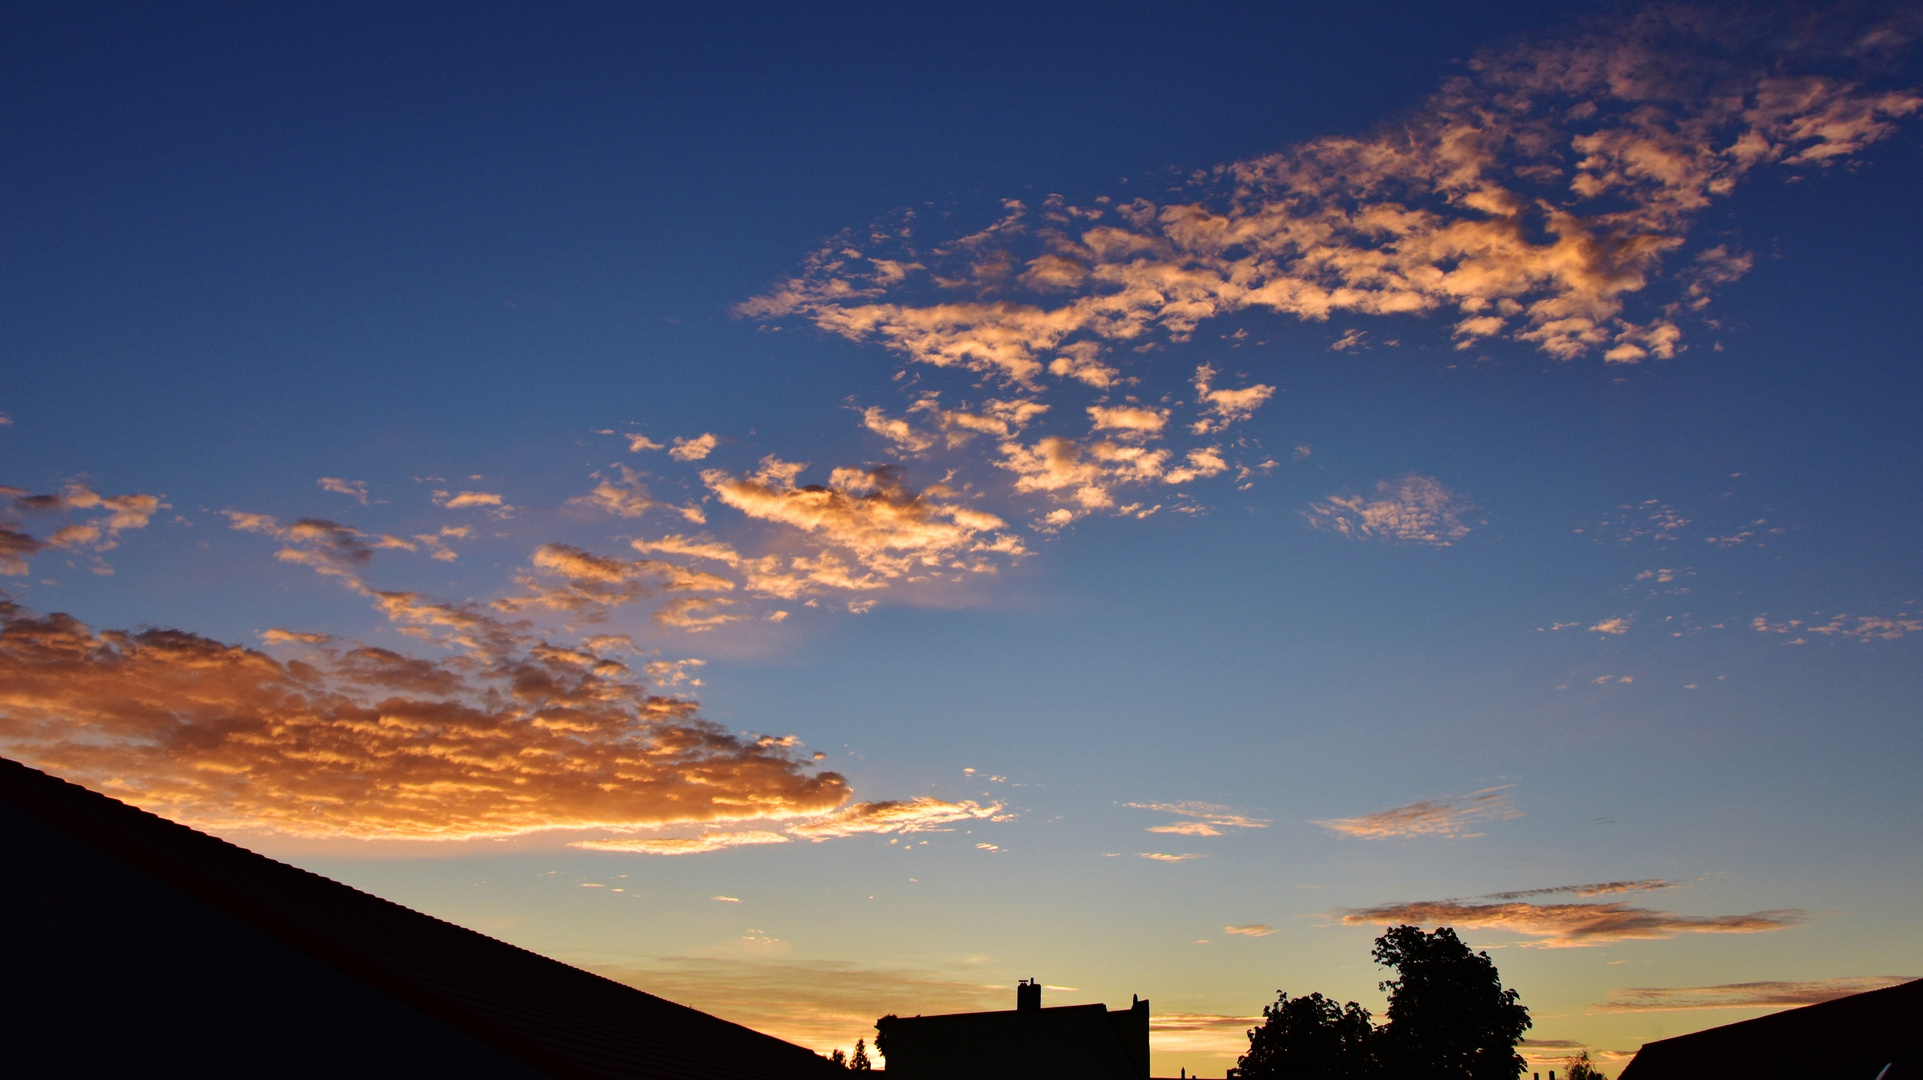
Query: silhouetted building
(139, 947)
(1871, 1036)
(1068, 1042)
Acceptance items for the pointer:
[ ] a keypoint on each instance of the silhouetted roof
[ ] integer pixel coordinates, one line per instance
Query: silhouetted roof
(1850, 1038)
(557, 1019)
(1066, 1042)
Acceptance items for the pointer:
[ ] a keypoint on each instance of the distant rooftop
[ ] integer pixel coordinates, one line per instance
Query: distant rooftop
(1067, 1042)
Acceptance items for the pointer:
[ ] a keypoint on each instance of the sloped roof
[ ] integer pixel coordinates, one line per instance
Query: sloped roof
(558, 1019)
(1850, 1038)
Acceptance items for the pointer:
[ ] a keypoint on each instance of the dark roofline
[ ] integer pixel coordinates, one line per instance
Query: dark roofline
(1821, 1012)
(1011, 1012)
(556, 1018)
(1833, 1037)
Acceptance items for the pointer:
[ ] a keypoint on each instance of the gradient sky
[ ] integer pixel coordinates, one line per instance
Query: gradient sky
(824, 513)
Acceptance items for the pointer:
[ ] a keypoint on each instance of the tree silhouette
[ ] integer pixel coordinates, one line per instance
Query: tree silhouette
(1579, 1068)
(859, 1063)
(1309, 1038)
(1449, 1016)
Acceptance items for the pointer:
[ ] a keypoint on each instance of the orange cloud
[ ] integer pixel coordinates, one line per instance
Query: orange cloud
(693, 449)
(353, 489)
(1869, 627)
(1571, 925)
(1225, 407)
(328, 546)
(1531, 198)
(1775, 994)
(624, 495)
(590, 581)
(871, 514)
(122, 512)
(895, 430)
(920, 814)
(1431, 817)
(1412, 509)
(1250, 930)
(16, 549)
(468, 499)
(694, 845)
(363, 742)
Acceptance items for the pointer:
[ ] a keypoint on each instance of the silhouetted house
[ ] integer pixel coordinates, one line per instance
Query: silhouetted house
(1068, 1042)
(139, 947)
(1871, 1036)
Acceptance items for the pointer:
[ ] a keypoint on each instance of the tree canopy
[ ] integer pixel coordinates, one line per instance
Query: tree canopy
(1310, 1037)
(1449, 1018)
(1449, 1015)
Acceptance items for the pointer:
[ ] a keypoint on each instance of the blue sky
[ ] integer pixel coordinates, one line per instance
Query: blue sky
(936, 498)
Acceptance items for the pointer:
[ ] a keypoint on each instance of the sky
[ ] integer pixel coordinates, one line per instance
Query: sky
(1202, 484)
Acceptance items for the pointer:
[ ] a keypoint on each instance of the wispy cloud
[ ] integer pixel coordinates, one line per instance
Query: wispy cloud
(1205, 819)
(1600, 888)
(921, 814)
(588, 581)
(693, 845)
(1411, 509)
(1749, 995)
(353, 489)
(1159, 856)
(1450, 816)
(1250, 930)
(329, 547)
(1571, 925)
(623, 493)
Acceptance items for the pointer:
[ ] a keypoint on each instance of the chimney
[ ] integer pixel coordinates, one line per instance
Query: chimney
(1028, 995)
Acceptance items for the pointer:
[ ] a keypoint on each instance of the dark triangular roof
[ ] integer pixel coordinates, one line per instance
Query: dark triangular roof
(1850, 1038)
(558, 1019)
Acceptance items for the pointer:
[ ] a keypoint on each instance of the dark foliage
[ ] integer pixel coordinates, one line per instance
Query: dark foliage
(1309, 1038)
(1449, 1016)
(1449, 1019)
(1579, 1068)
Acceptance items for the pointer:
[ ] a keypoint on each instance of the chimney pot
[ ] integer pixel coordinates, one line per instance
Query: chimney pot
(1028, 995)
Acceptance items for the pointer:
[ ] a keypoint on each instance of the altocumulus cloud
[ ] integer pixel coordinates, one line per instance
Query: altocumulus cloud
(1531, 197)
(359, 742)
(110, 516)
(1546, 196)
(1411, 509)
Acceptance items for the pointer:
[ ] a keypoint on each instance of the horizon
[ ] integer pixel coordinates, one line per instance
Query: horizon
(821, 515)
